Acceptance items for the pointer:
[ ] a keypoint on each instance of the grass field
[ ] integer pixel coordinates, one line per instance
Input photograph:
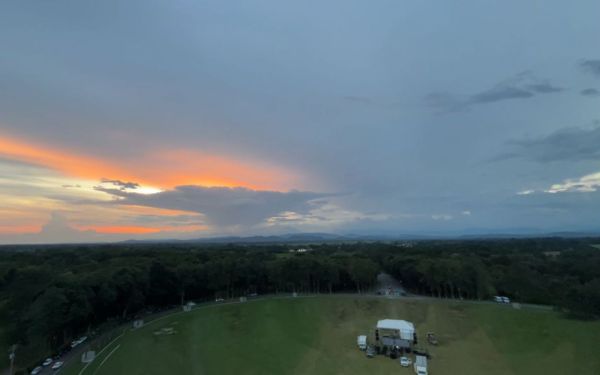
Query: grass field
(317, 335)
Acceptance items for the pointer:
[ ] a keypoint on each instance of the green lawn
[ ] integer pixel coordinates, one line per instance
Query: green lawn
(317, 336)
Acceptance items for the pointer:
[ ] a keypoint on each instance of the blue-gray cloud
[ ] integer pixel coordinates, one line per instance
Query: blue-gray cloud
(524, 85)
(569, 144)
(222, 206)
(591, 92)
(591, 66)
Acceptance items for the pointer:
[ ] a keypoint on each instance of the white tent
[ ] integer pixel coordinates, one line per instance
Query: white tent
(404, 329)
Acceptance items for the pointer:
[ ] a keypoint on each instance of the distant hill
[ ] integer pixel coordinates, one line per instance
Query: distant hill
(330, 237)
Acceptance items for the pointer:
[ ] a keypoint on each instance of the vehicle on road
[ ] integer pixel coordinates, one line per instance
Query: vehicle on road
(57, 365)
(47, 362)
(37, 370)
(219, 300)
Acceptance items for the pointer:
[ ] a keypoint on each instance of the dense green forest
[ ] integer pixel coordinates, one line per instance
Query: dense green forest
(51, 294)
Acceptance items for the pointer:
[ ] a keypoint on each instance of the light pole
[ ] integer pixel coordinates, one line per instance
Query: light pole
(11, 356)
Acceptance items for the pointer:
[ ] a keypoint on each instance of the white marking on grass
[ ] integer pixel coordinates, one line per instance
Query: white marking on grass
(100, 352)
(202, 307)
(106, 358)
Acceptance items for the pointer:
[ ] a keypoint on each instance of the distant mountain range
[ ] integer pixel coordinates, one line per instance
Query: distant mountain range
(329, 237)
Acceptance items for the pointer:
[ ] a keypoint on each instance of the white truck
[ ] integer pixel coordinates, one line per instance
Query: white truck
(421, 365)
(361, 341)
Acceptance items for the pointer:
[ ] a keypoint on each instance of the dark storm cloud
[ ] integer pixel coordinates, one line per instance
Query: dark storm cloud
(224, 206)
(570, 144)
(590, 92)
(591, 66)
(524, 85)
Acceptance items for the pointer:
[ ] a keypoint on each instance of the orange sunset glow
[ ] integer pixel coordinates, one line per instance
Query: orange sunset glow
(133, 229)
(162, 169)
(66, 171)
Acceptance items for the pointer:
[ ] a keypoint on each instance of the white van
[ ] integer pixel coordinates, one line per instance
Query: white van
(361, 341)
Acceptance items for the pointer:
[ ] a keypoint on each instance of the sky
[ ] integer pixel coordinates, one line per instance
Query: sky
(187, 119)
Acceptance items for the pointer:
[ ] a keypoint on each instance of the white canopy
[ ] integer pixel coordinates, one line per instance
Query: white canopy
(405, 329)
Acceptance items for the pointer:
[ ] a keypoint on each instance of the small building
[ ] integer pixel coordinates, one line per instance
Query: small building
(188, 306)
(88, 356)
(395, 333)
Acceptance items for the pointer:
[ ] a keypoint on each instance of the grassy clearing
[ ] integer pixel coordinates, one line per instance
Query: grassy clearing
(317, 336)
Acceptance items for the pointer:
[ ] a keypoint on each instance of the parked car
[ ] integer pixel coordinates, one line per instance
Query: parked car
(405, 361)
(219, 300)
(505, 300)
(57, 365)
(47, 362)
(78, 341)
(37, 370)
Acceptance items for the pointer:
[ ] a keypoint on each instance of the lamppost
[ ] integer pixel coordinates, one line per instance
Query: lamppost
(11, 357)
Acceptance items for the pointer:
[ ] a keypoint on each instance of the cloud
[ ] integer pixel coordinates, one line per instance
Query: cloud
(526, 192)
(323, 215)
(585, 184)
(591, 66)
(121, 185)
(569, 144)
(524, 85)
(591, 92)
(498, 93)
(160, 167)
(223, 206)
(544, 88)
(444, 217)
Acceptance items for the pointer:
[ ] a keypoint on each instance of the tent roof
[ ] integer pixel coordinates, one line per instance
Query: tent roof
(401, 325)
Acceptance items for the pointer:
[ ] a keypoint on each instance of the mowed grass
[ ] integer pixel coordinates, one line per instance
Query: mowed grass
(317, 335)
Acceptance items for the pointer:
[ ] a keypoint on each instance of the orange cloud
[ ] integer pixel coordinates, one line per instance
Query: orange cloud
(70, 164)
(20, 229)
(134, 229)
(159, 168)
